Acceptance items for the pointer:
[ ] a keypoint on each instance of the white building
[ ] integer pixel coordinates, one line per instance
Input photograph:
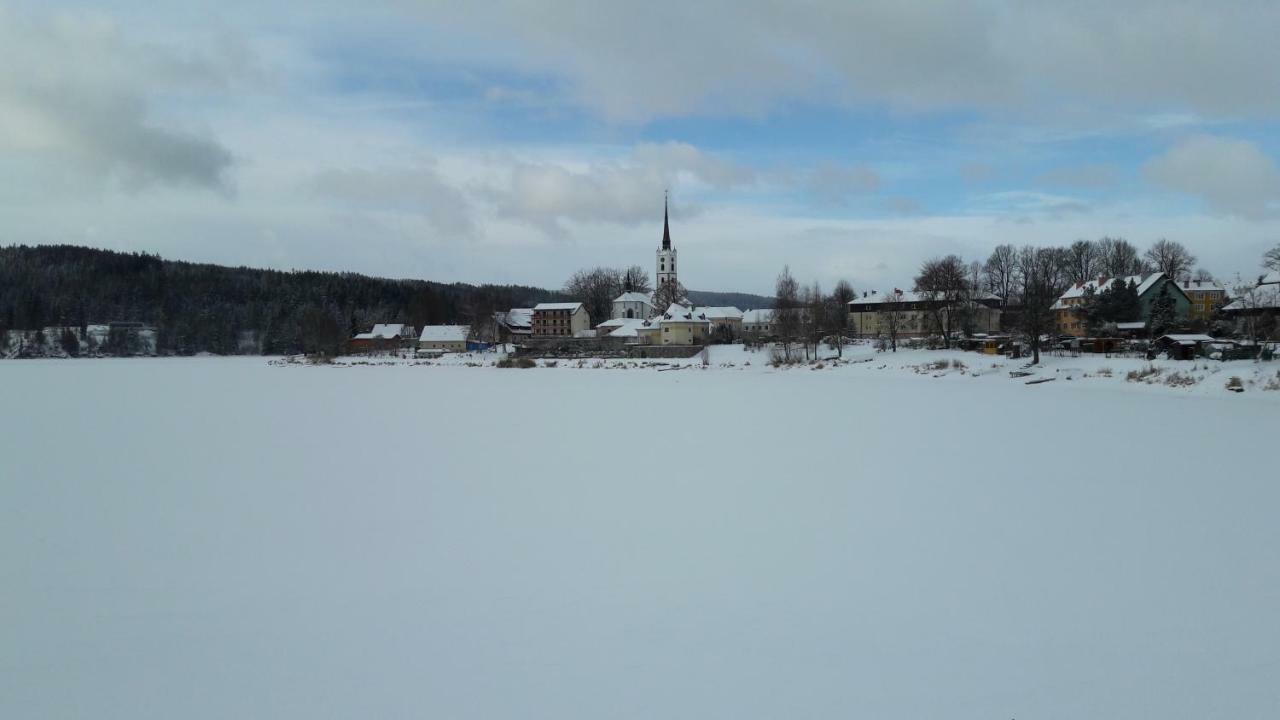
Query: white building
(757, 322)
(449, 338)
(635, 305)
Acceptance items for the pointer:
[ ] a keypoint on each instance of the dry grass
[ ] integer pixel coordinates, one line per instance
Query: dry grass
(1147, 374)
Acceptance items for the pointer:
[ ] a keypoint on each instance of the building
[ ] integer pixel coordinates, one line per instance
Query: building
(514, 325)
(620, 330)
(727, 317)
(1206, 297)
(757, 323)
(1256, 309)
(384, 337)
(552, 320)
(448, 338)
(1066, 311)
(632, 304)
(666, 273)
(917, 315)
(684, 326)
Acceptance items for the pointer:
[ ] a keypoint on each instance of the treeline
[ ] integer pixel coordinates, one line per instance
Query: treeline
(198, 307)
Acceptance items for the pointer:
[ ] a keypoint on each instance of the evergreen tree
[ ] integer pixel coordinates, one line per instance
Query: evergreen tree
(1163, 313)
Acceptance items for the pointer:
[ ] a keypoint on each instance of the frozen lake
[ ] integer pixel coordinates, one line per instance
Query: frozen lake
(218, 538)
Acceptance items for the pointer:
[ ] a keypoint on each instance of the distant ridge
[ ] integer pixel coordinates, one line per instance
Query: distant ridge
(742, 301)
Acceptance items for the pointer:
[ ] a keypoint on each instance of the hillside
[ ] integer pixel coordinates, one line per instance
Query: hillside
(198, 307)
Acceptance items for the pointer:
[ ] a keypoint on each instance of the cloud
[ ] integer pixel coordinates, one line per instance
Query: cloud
(1232, 177)
(418, 190)
(666, 58)
(835, 184)
(75, 96)
(1080, 176)
(624, 191)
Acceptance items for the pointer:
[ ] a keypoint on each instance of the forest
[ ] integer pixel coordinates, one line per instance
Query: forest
(196, 307)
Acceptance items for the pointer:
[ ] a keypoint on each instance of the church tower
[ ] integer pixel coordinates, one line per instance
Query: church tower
(666, 273)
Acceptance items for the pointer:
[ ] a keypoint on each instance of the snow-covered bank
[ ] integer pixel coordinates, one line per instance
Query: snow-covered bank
(212, 538)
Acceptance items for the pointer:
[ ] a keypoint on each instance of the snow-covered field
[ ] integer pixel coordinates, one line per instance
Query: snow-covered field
(223, 538)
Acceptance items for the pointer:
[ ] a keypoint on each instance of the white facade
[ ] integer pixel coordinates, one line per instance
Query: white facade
(633, 305)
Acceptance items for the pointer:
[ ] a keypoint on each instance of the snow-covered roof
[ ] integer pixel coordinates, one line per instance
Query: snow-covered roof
(1188, 339)
(1271, 278)
(635, 297)
(1139, 325)
(1081, 289)
(1201, 286)
(386, 331)
(519, 318)
(875, 298)
(757, 317)
(1265, 296)
(727, 312)
(445, 333)
(571, 306)
(625, 327)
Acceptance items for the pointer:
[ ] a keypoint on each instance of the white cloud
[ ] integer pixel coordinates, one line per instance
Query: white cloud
(76, 99)
(1231, 176)
(669, 57)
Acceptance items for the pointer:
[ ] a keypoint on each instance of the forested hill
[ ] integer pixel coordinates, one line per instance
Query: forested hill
(211, 308)
(742, 301)
(226, 310)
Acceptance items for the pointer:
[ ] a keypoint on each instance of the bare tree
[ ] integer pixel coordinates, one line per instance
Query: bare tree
(1171, 258)
(1043, 282)
(636, 279)
(1119, 258)
(1202, 275)
(813, 317)
(1085, 261)
(892, 316)
(1271, 259)
(786, 311)
(595, 288)
(838, 314)
(1001, 271)
(943, 283)
(667, 294)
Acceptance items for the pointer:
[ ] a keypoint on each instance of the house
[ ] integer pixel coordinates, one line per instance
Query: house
(1256, 309)
(1067, 309)
(551, 320)
(723, 317)
(633, 305)
(620, 330)
(683, 326)
(384, 337)
(757, 323)
(514, 325)
(1206, 297)
(1185, 347)
(446, 338)
(918, 314)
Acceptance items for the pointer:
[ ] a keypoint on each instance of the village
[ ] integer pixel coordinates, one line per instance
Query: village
(1145, 314)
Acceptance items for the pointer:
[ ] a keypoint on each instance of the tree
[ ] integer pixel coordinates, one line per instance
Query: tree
(1163, 313)
(669, 293)
(1202, 275)
(1001, 273)
(813, 317)
(636, 279)
(595, 289)
(1043, 282)
(892, 316)
(838, 314)
(1171, 258)
(70, 343)
(1118, 258)
(1084, 261)
(786, 311)
(943, 284)
(1271, 259)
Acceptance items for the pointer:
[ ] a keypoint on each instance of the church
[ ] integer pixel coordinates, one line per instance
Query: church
(640, 305)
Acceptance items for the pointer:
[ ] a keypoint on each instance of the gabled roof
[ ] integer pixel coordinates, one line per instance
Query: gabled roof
(571, 306)
(1265, 296)
(1201, 286)
(1271, 278)
(757, 317)
(626, 327)
(1187, 339)
(635, 297)
(445, 333)
(518, 318)
(726, 312)
(383, 331)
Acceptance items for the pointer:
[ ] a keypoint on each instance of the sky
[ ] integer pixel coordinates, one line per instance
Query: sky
(515, 142)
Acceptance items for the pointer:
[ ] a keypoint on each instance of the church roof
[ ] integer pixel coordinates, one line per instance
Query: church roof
(666, 227)
(634, 297)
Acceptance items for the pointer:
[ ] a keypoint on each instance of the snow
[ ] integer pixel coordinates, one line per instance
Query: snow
(634, 297)
(384, 331)
(557, 306)
(445, 333)
(216, 538)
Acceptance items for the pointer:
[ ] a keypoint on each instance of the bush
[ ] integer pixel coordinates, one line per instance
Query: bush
(510, 362)
(1177, 379)
(1235, 383)
(1146, 374)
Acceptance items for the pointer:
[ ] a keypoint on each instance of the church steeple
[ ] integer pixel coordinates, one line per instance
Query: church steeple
(666, 226)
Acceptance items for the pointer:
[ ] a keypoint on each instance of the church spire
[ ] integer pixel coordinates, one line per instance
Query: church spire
(666, 226)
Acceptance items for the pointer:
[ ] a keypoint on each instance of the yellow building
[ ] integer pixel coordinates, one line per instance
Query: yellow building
(1206, 297)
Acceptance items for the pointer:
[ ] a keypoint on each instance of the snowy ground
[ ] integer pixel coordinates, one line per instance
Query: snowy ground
(223, 538)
